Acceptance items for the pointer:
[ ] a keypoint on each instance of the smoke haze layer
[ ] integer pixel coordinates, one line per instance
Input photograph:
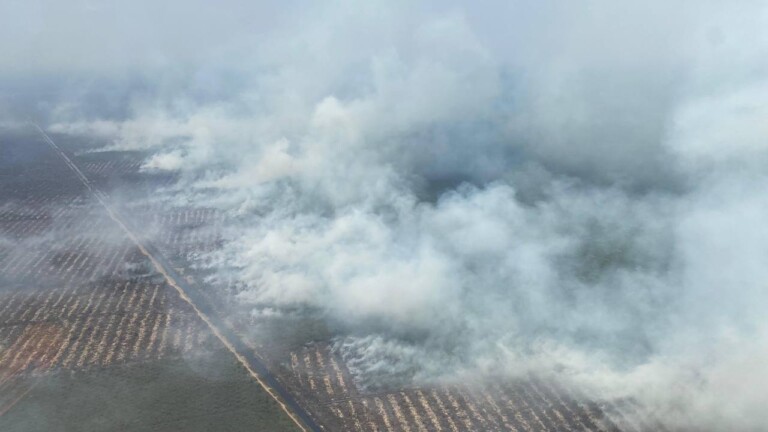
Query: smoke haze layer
(470, 190)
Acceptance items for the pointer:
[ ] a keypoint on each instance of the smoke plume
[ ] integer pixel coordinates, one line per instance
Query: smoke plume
(471, 190)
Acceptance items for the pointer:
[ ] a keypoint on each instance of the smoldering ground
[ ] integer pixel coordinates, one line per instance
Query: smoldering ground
(481, 189)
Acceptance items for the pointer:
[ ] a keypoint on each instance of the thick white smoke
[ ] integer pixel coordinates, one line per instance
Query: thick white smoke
(496, 188)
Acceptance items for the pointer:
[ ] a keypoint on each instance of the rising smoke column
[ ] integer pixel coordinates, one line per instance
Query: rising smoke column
(493, 189)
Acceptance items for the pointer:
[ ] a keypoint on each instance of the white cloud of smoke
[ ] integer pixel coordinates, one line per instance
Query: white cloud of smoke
(495, 188)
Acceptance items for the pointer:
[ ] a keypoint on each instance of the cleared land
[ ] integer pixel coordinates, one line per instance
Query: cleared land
(93, 338)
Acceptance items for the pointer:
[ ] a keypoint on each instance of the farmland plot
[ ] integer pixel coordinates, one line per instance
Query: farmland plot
(86, 324)
(94, 303)
(324, 385)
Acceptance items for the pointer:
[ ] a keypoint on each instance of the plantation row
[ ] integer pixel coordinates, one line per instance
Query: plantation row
(77, 294)
(110, 167)
(35, 207)
(50, 188)
(528, 405)
(89, 258)
(325, 387)
(185, 217)
(79, 327)
(65, 217)
(183, 234)
(127, 316)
